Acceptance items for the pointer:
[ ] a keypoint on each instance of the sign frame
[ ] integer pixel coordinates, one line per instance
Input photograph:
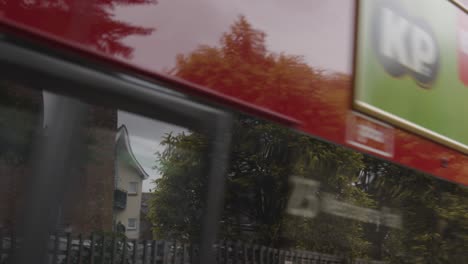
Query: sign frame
(385, 116)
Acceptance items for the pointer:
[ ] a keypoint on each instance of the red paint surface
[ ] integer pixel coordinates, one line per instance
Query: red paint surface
(147, 36)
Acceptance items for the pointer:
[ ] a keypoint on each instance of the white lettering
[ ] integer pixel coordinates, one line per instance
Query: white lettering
(423, 51)
(367, 132)
(392, 44)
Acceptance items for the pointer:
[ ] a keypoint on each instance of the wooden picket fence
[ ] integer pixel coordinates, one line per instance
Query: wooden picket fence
(102, 249)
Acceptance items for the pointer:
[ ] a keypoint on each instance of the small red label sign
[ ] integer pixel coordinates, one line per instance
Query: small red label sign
(369, 134)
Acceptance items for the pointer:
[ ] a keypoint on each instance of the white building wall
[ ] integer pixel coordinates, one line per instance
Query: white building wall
(126, 174)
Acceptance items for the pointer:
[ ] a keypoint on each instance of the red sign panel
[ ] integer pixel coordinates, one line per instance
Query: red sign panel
(369, 134)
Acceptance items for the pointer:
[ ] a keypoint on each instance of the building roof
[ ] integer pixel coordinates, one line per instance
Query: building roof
(124, 151)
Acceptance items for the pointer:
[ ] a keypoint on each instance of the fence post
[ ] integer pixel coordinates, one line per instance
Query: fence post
(91, 254)
(1, 245)
(194, 253)
(154, 250)
(178, 255)
(135, 251)
(274, 259)
(68, 253)
(228, 251)
(124, 249)
(245, 253)
(186, 259)
(80, 249)
(255, 254)
(143, 257)
(262, 254)
(103, 249)
(113, 249)
(56, 248)
(12, 244)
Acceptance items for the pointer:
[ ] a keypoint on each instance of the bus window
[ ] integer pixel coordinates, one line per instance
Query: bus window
(101, 166)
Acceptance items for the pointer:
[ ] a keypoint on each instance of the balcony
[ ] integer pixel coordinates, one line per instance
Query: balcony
(120, 199)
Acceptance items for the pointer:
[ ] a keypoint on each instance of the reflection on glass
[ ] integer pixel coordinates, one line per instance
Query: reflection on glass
(138, 139)
(137, 189)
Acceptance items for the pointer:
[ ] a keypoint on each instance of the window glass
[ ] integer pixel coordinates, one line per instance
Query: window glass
(132, 224)
(110, 153)
(133, 188)
(71, 161)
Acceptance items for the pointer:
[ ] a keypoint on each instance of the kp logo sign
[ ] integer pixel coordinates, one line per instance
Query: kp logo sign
(405, 45)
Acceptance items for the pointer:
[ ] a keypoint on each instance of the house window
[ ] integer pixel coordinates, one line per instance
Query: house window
(132, 188)
(132, 224)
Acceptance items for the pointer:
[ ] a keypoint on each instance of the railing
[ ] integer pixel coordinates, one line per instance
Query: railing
(105, 249)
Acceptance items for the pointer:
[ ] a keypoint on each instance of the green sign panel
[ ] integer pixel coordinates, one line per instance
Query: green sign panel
(412, 67)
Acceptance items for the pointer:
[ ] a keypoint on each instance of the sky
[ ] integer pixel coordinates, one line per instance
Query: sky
(320, 31)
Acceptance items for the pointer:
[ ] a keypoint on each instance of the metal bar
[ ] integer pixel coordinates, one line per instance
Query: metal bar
(245, 253)
(1, 244)
(175, 256)
(80, 249)
(113, 249)
(124, 251)
(143, 258)
(186, 258)
(103, 249)
(167, 252)
(55, 156)
(253, 250)
(135, 251)
(154, 252)
(225, 252)
(56, 248)
(194, 254)
(68, 250)
(93, 248)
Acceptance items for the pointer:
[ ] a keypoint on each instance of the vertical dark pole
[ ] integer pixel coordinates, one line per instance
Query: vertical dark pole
(255, 254)
(80, 249)
(68, 250)
(154, 252)
(176, 254)
(93, 248)
(166, 253)
(186, 254)
(218, 158)
(124, 249)
(103, 250)
(143, 260)
(245, 253)
(56, 154)
(113, 249)
(135, 251)
(194, 254)
(1, 245)
(56, 248)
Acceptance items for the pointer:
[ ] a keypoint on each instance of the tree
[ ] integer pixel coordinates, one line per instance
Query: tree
(97, 27)
(434, 214)
(263, 156)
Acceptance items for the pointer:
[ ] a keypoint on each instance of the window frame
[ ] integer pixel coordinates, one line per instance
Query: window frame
(77, 77)
(132, 228)
(129, 191)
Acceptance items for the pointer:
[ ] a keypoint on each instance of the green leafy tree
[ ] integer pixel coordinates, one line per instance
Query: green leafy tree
(433, 212)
